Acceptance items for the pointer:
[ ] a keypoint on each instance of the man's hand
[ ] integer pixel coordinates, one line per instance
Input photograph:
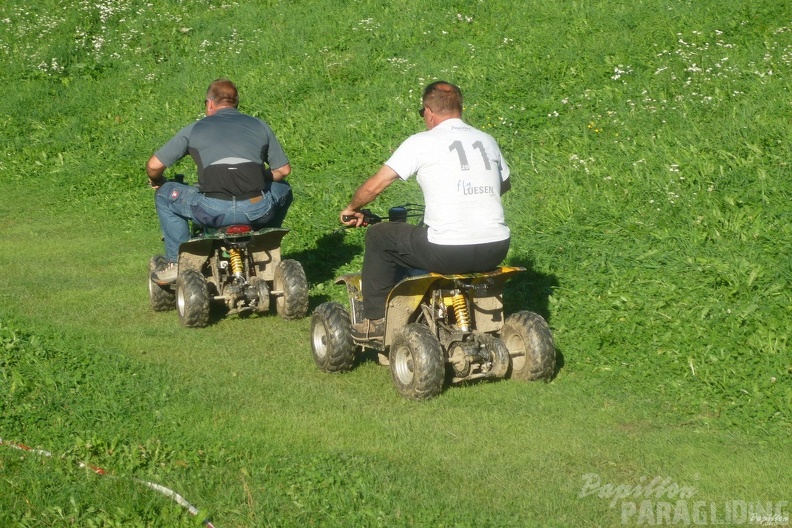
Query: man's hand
(364, 217)
(351, 218)
(365, 194)
(158, 183)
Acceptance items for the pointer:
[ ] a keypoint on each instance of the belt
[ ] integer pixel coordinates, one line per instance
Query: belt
(225, 196)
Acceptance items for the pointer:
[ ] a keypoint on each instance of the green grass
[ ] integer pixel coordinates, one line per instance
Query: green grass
(649, 149)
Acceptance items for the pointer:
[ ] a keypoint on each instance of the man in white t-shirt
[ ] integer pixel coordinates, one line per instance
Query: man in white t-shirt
(462, 175)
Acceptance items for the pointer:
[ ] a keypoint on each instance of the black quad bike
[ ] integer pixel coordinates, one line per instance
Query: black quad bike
(437, 327)
(234, 265)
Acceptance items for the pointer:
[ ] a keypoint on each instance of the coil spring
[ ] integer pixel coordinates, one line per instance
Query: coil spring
(236, 262)
(461, 311)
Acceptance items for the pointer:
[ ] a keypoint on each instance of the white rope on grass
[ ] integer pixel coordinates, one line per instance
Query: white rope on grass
(175, 497)
(178, 499)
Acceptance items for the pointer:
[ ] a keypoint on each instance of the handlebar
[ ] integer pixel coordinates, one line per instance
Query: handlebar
(368, 217)
(398, 213)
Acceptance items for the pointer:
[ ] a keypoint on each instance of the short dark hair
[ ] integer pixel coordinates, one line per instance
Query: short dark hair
(223, 92)
(443, 98)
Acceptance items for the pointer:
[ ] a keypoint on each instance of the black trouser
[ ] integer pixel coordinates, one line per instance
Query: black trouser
(394, 247)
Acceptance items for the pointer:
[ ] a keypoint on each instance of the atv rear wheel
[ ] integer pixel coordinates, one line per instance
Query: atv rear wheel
(192, 299)
(530, 345)
(290, 280)
(263, 294)
(331, 338)
(417, 363)
(161, 299)
(498, 355)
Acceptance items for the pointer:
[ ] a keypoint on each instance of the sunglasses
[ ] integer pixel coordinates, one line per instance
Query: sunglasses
(421, 111)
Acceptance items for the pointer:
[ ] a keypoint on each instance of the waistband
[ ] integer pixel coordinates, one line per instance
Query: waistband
(229, 197)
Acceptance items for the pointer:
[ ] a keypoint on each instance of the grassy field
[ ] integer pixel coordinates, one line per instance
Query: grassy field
(649, 146)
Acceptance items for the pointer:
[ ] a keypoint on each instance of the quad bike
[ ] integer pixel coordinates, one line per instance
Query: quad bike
(435, 325)
(234, 265)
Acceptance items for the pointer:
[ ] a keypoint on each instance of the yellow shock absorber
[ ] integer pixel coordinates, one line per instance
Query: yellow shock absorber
(236, 262)
(461, 311)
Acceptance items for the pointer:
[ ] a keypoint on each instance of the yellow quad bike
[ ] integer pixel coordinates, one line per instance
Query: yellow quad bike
(236, 266)
(437, 327)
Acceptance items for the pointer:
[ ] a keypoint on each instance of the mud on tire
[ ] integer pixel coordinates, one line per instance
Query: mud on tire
(530, 344)
(262, 290)
(417, 363)
(290, 279)
(331, 338)
(161, 299)
(498, 355)
(192, 299)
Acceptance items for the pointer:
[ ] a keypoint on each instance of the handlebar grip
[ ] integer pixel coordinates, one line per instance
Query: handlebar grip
(347, 218)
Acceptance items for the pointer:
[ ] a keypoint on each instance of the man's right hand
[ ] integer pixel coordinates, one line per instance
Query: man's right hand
(351, 218)
(361, 218)
(159, 182)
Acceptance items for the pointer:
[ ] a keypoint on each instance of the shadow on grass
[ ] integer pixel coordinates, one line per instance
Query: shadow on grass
(531, 291)
(322, 262)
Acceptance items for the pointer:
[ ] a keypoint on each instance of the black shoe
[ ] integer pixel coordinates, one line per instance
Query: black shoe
(369, 329)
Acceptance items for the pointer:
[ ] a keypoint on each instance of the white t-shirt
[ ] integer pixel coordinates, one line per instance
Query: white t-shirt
(460, 170)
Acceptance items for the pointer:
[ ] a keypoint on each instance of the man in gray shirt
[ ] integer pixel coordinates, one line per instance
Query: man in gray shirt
(241, 174)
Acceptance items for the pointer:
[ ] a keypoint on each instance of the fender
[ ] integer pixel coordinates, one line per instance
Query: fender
(264, 246)
(406, 297)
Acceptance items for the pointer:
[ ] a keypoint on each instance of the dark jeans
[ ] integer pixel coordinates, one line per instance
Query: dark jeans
(178, 203)
(392, 248)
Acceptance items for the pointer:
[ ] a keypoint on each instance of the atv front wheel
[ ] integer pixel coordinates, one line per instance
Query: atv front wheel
(530, 345)
(416, 362)
(331, 338)
(289, 279)
(161, 299)
(192, 299)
